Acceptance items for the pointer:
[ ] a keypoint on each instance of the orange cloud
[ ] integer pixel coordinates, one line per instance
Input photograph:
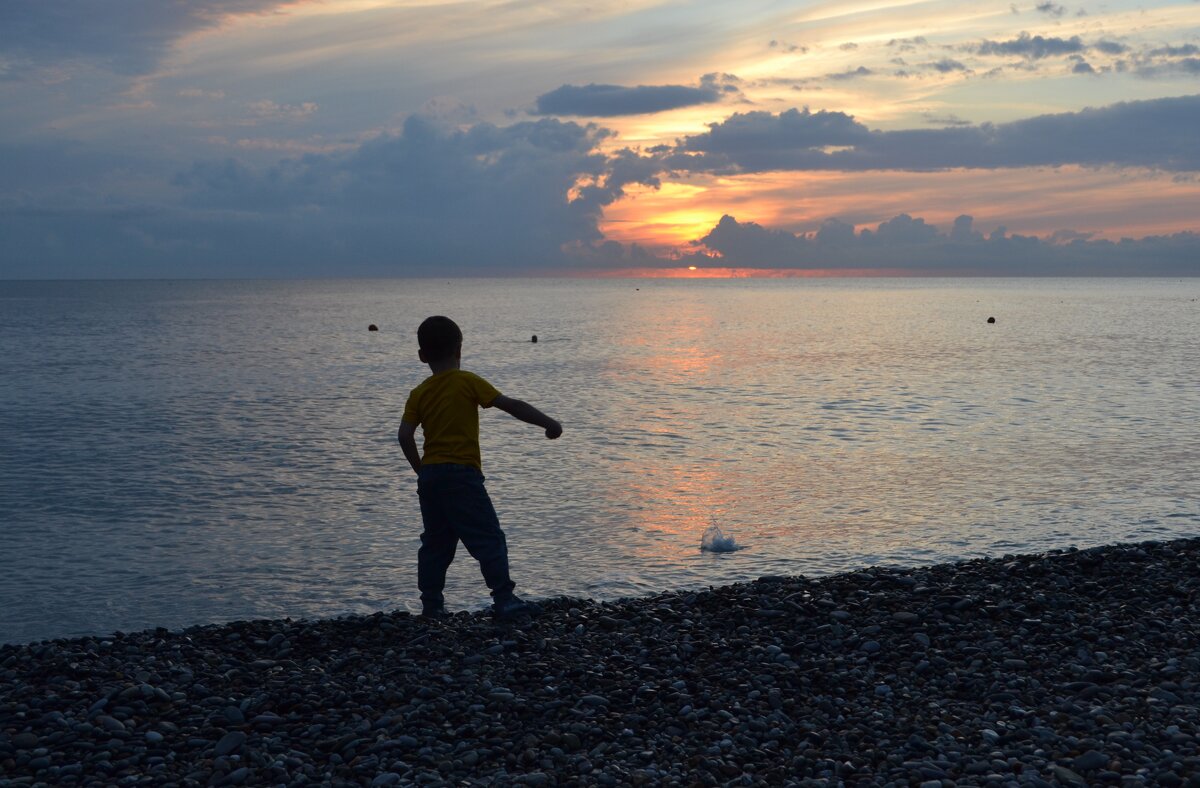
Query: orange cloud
(1109, 203)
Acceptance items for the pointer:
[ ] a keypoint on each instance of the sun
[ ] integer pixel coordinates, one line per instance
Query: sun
(691, 268)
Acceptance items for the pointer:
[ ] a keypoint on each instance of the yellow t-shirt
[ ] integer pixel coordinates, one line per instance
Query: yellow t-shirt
(447, 406)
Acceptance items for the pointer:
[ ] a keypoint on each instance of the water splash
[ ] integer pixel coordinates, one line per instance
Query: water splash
(717, 541)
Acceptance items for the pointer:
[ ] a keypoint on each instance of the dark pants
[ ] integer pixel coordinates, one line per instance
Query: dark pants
(455, 505)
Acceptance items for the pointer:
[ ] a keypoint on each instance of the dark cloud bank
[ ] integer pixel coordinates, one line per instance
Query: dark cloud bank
(908, 243)
(607, 101)
(1159, 133)
(442, 200)
(434, 199)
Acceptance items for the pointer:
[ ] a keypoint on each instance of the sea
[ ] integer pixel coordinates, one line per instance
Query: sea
(175, 453)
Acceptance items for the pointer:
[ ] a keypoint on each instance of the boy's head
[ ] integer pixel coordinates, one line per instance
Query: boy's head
(439, 339)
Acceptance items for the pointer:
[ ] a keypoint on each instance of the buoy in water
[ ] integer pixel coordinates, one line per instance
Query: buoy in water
(372, 327)
(534, 338)
(991, 320)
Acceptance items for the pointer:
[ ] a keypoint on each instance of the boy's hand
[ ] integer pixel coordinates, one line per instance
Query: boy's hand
(528, 414)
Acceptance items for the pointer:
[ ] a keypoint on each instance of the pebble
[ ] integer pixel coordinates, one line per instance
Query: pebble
(1090, 761)
(230, 743)
(1060, 668)
(1065, 775)
(25, 741)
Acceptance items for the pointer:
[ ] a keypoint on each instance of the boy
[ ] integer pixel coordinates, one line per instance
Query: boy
(454, 503)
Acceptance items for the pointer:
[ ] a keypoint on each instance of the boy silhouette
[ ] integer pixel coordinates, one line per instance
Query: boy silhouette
(454, 503)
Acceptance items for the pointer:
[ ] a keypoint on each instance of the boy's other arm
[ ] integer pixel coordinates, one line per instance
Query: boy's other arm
(528, 414)
(408, 442)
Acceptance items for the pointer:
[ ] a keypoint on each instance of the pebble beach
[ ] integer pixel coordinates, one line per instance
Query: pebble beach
(1064, 668)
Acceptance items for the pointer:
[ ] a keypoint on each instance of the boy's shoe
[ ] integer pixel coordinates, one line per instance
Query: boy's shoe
(514, 606)
(438, 612)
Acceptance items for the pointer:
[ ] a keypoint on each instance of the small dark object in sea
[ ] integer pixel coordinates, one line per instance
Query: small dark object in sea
(372, 327)
(991, 320)
(534, 340)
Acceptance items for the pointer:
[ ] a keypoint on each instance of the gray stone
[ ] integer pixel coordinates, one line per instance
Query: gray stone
(26, 740)
(1063, 774)
(230, 743)
(1090, 760)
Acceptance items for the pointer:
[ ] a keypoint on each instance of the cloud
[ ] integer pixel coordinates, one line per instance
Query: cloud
(1050, 8)
(1188, 66)
(613, 100)
(910, 243)
(1083, 67)
(434, 199)
(201, 93)
(1185, 50)
(1110, 47)
(126, 36)
(787, 47)
(266, 109)
(767, 133)
(861, 71)
(1158, 133)
(1032, 47)
(946, 66)
(944, 120)
(908, 44)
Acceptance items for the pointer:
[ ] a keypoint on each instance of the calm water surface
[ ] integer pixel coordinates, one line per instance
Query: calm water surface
(174, 453)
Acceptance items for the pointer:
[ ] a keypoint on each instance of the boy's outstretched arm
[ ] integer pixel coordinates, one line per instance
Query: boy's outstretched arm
(408, 442)
(528, 414)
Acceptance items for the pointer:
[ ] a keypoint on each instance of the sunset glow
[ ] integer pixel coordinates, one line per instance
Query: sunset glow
(720, 272)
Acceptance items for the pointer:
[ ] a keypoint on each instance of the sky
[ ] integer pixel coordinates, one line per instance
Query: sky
(258, 138)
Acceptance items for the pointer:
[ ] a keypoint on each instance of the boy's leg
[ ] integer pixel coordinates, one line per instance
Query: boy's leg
(478, 526)
(438, 541)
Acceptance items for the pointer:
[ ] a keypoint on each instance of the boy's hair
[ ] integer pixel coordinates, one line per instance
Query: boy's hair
(440, 337)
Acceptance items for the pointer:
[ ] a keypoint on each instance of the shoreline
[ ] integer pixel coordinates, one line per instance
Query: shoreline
(1072, 667)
